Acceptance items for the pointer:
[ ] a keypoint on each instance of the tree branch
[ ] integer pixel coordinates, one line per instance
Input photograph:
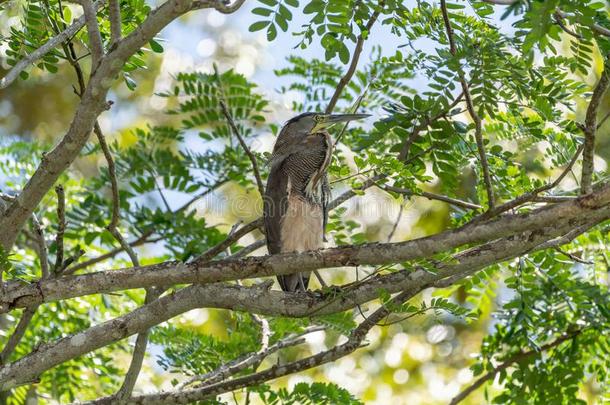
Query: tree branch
(432, 196)
(542, 226)
(95, 39)
(229, 369)
(257, 174)
(516, 358)
(13, 341)
(593, 207)
(61, 228)
(344, 81)
(92, 104)
(531, 195)
(43, 255)
(355, 340)
(114, 13)
(590, 129)
(471, 110)
(46, 48)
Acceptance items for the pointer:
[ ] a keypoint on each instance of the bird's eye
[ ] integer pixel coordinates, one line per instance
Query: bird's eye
(318, 118)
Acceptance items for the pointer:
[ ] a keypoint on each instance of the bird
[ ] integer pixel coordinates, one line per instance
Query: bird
(297, 192)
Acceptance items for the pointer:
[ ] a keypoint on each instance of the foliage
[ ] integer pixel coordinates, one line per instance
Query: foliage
(530, 87)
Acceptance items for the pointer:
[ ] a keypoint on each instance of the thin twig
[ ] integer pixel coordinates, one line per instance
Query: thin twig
(116, 215)
(93, 29)
(233, 367)
(395, 226)
(572, 256)
(220, 247)
(355, 341)
(603, 120)
(114, 13)
(42, 247)
(598, 29)
(553, 198)
(257, 174)
(531, 195)
(61, 228)
(248, 249)
(139, 241)
(478, 133)
(201, 195)
(559, 21)
(501, 2)
(432, 196)
(13, 341)
(590, 129)
(567, 238)
(344, 81)
(137, 357)
(516, 358)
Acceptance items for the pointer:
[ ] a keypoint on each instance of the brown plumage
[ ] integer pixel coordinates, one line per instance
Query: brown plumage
(295, 204)
(297, 189)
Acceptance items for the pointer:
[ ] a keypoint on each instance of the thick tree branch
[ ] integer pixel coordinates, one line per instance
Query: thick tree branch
(593, 207)
(516, 358)
(542, 226)
(95, 39)
(114, 13)
(590, 129)
(478, 126)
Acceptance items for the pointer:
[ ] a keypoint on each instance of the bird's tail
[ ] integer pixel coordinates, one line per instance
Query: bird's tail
(294, 282)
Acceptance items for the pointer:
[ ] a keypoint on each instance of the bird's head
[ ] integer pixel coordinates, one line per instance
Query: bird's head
(298, 128)
(311, 122)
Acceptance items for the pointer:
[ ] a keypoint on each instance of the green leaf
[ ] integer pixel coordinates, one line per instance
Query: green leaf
(262, 11)
(155, 46)
(259, 25)
(271, 32)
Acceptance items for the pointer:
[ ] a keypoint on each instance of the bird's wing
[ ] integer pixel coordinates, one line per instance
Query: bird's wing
(274, 207)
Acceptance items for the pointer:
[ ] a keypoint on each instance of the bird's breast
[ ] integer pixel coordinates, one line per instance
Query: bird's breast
(301, 227)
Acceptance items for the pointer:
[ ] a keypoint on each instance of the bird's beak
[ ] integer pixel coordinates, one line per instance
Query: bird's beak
(332, 119)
